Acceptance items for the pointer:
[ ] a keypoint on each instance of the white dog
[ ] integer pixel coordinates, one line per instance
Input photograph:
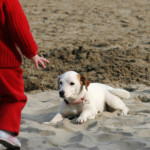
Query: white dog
(84, 99)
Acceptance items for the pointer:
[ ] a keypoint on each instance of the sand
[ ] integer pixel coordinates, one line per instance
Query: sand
(107, 132)
(108, 41)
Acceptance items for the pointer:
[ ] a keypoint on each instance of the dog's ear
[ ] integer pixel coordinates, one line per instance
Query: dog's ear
(84, 81)
(58, 85)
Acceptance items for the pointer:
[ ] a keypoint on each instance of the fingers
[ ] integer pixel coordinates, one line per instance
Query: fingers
(36, 65)
(41, 61)
(44, 60)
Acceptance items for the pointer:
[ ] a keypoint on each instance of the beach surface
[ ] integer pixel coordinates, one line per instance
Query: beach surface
(108, 41)
(108, 131)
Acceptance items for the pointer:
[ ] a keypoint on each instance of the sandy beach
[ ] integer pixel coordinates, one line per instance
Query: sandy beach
(108, 41)
(107, 132)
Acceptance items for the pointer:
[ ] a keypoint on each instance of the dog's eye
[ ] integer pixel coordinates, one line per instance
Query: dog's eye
(71, 83)
(60, 83)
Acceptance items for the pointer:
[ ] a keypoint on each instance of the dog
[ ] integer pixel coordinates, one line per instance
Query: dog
(85, 100)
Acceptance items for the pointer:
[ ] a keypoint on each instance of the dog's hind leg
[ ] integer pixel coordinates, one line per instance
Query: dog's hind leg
(116, 103)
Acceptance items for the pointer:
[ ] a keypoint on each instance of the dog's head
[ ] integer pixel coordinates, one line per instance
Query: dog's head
(70, 84)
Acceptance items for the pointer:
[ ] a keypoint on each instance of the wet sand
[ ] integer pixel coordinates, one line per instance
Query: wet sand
(107, 41)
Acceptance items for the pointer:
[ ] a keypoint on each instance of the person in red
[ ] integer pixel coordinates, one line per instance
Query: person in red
(14, 32)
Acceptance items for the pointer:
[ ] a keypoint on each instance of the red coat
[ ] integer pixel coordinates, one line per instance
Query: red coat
(14, 31)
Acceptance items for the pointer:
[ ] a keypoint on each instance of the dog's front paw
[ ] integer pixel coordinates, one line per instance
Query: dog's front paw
(125, 111)
(81, 119)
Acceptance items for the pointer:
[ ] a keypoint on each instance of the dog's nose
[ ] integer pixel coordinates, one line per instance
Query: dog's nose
(62, 93)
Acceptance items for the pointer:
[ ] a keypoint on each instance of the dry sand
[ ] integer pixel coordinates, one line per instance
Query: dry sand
(109, 42)
(107, 132)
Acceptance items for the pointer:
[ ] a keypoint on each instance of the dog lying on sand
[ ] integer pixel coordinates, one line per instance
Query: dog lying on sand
(84, 99)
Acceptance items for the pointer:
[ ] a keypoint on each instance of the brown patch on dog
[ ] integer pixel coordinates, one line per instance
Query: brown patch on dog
(83, 81)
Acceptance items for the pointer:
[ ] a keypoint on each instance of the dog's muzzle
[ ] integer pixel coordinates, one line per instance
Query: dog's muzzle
(62, 94)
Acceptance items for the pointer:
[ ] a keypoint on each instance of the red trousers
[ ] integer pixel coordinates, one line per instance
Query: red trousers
(12, 98)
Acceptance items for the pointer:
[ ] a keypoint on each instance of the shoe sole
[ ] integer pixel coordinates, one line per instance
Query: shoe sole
(9, 145)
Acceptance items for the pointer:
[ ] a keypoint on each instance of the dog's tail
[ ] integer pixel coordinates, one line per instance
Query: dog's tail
(120, 93)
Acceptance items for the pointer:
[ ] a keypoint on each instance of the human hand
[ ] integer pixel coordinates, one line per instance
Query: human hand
(39, 60)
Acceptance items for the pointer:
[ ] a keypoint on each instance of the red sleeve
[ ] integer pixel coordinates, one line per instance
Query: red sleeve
(19, 29)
